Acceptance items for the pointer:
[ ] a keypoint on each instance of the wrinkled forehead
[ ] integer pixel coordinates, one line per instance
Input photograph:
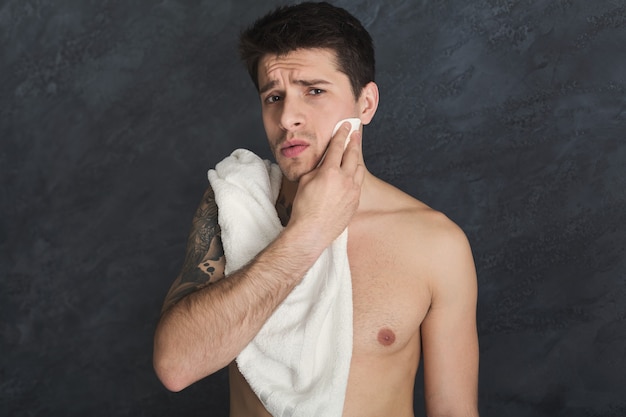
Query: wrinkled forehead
(309, 60)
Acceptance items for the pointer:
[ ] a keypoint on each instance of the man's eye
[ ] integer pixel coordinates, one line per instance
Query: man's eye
(315, 91)
(272, 99)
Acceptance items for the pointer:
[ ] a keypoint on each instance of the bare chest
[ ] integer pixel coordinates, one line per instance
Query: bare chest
(390, 295)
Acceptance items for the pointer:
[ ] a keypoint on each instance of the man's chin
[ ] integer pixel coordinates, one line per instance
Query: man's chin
(293, 177)
(292, 173)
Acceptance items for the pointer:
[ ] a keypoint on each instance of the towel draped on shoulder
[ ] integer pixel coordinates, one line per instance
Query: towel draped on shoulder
(298, 363)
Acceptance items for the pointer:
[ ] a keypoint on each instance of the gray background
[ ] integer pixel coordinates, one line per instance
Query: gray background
(507, 115)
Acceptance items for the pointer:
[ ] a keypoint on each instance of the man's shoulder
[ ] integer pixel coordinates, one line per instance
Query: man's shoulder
(413, 220)
(433, 246)
(422, 240)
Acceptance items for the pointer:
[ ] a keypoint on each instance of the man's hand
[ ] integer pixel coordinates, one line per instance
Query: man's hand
(328, 196)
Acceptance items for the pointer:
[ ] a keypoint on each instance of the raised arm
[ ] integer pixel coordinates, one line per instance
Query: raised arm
(206, 320)
(449, 335)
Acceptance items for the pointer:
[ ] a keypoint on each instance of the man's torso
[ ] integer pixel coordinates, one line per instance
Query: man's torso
(390, 299)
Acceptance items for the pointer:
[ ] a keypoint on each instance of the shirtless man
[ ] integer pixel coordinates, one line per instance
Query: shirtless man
(413, 276)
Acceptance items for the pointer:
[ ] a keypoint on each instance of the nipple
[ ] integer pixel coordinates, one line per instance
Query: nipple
(386, 337)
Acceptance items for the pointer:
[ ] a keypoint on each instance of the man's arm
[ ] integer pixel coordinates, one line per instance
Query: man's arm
(449, 335)
(204, 327)
(204, 258)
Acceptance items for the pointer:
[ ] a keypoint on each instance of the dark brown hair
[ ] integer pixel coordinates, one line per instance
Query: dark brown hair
(311, 25)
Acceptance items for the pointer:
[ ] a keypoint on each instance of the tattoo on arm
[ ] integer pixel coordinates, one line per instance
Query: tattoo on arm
(204, 259)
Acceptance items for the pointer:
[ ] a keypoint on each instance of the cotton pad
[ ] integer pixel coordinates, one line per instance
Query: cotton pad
(354, 121)
(355, 124)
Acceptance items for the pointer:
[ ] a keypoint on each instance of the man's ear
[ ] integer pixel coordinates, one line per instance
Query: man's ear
(368, 102)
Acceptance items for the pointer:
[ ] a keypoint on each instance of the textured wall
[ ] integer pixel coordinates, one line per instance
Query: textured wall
(507, 115)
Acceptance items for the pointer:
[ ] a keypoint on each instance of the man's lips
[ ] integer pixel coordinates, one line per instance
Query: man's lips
(293, 148)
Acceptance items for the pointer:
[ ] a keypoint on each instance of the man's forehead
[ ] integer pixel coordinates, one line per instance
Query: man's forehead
(306, 63)
(299, 59)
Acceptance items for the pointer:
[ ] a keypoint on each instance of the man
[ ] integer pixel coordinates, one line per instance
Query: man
(413, 278)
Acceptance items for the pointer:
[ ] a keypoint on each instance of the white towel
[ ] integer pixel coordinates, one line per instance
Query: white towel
(298, 364)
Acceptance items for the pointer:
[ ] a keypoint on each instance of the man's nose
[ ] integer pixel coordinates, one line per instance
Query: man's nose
(292, 115)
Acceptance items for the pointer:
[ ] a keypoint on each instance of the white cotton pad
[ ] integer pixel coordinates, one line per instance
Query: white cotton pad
(354, 121)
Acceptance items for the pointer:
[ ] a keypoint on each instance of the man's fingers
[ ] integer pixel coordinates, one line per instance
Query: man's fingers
(359, 174)
(352, 154)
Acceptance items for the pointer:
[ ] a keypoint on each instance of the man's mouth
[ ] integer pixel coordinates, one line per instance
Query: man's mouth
(292, 149)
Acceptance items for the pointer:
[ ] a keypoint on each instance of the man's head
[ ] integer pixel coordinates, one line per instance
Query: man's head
(311, 26)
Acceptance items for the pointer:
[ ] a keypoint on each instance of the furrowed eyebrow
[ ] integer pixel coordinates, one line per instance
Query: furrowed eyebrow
(268, 86)
(306, 83)
(309, 83)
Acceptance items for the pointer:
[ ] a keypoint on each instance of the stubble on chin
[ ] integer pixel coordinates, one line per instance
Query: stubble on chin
(295, 173)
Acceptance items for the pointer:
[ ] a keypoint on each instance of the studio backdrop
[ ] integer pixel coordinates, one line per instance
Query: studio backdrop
(509, 116)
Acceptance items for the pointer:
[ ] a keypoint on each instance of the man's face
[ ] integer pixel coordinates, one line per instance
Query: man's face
(303, 95)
